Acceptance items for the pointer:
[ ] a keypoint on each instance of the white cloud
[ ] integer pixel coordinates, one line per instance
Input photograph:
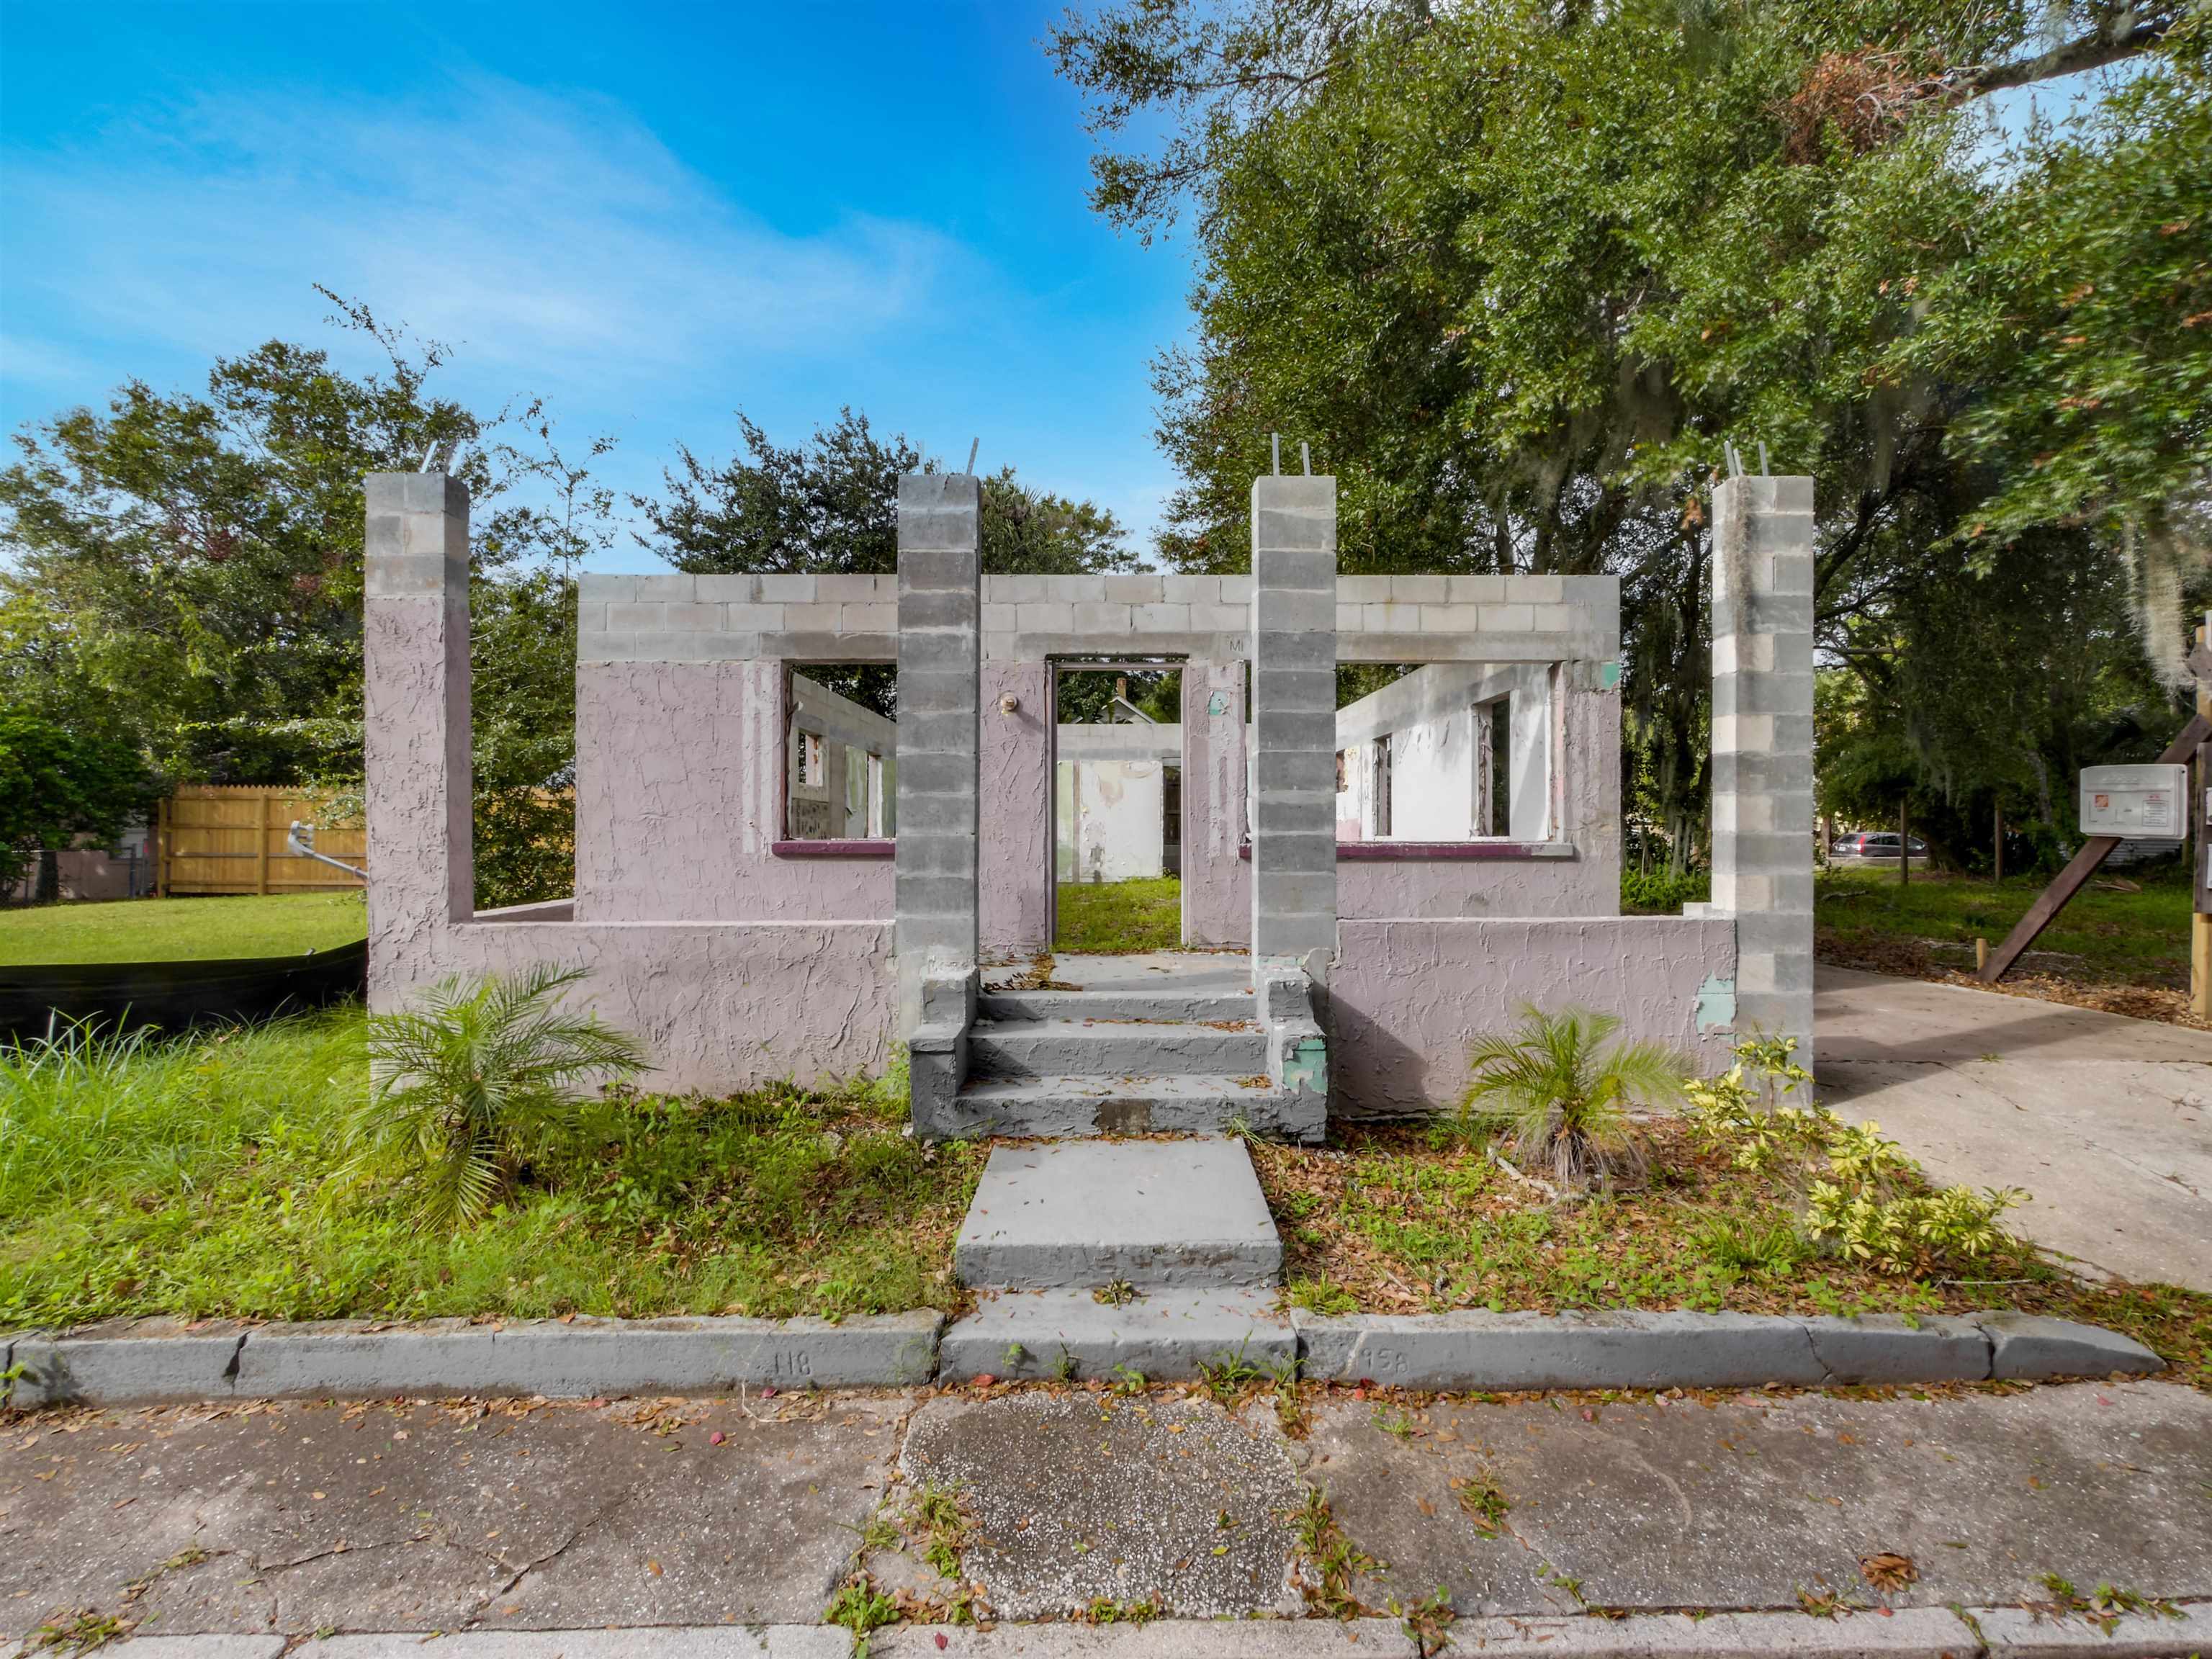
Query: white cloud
(548, 237)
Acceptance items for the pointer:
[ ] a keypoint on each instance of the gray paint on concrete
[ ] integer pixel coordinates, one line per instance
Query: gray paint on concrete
(2031, 1347)
(2106, 1122)
(1058, 1047)
(144, 1361)
(1685, 1503)
(1079, 1496)
(1477, 1349)
(1081, 1214)
(1068, 1334)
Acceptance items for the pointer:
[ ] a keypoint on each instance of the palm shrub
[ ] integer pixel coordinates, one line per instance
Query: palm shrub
(1558, 1091)
(475, 1081)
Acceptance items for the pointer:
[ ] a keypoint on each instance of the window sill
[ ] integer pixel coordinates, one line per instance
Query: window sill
(1442, 852)
(874, 848)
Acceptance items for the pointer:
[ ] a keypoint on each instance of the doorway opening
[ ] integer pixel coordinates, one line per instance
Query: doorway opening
(1117, 806)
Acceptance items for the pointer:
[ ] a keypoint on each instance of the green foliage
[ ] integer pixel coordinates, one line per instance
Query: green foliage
(1516, 271)
(475, 1083)
(832, 506)
(860, 1608)
(1657, 893)
(56, 784)
(1869, 1200)
(1560, 1096)
(199, 1178)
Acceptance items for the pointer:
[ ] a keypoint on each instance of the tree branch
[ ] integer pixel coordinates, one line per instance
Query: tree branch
(2106, 44)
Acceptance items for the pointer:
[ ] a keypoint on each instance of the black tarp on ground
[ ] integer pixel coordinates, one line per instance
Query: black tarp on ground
(173, 995)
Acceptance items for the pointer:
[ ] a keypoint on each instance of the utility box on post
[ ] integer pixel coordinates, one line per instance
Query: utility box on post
(2135, 803)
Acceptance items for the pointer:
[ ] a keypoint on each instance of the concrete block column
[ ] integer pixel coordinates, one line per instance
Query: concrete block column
(416, 741)
(940, 660)
(1293, 635)
(1762, 626)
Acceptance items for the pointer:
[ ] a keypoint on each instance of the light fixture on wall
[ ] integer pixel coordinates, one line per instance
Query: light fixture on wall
(1009, 704)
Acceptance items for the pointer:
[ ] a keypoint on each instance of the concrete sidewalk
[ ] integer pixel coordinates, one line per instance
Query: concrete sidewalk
(2105, 1121)
(508, 1517)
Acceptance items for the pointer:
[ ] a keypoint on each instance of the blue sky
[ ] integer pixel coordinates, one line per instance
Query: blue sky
(648, 215)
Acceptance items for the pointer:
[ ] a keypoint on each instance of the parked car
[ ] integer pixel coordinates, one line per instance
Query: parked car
(1874, 847)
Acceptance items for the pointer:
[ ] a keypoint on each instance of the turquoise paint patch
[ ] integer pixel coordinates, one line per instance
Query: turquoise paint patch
(1715, 1004)
(1218, 703)
(1305, 1067)
(1608, 675)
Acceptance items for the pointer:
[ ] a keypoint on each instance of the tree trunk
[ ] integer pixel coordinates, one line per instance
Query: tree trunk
(46, 884)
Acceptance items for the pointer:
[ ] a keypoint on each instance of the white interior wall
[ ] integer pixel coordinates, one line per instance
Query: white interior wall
(1108, 823)
(1435, 721)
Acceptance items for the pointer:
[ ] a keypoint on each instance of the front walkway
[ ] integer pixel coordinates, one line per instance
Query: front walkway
(461, 1516)
(2105, 1121)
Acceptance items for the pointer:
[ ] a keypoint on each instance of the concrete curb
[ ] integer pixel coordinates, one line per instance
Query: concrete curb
(157, 1361)
(1510, 1351)
(1908, 1634)
(152, 1361)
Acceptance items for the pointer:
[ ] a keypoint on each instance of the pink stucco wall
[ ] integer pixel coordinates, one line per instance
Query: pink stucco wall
(1217, 891)
(679, 799)
(1014, 860)
(721, 1006)
(1406, 997)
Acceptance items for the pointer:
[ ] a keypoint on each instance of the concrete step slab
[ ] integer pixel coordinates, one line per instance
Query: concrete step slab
(1006, 1006)
(1078, 1215)
(1115, 1049)
(1073, 1105)
(1162, 1333)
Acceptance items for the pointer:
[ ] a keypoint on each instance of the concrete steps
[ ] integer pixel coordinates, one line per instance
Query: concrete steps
(1156, 1255)
(1160, 1334)
(1080, 1105)
(1006, 1006)
(1112, 1048)
(1083, 1214)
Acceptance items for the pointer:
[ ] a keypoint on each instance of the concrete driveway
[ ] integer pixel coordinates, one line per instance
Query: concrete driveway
(2105, 1121)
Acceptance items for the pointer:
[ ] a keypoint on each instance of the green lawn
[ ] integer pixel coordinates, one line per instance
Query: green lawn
(1117, 917)
(181, 929)
(2104, 937)
(196, 1178)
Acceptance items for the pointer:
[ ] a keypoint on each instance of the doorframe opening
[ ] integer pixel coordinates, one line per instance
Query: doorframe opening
(1079, 664)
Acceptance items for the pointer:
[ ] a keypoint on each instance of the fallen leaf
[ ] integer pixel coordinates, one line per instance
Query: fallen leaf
(1888, 1572)
(653, 1567)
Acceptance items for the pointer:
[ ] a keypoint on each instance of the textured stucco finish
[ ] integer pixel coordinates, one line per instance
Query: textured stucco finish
(1217, 893)
(1407, 997)
(1015, 852)
(719, 1005)
(678, 800)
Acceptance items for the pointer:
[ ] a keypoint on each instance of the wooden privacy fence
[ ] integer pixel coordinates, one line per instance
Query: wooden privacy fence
(229, 838)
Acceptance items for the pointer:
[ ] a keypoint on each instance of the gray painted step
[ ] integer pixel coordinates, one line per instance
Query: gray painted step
(1165, 1334)
(1078, 1215)
(1114, 1048)
(1076, 1105)
(1143, 1004)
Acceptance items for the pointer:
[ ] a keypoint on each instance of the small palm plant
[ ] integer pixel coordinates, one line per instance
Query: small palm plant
(474, 1082)
(1559, 1095)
